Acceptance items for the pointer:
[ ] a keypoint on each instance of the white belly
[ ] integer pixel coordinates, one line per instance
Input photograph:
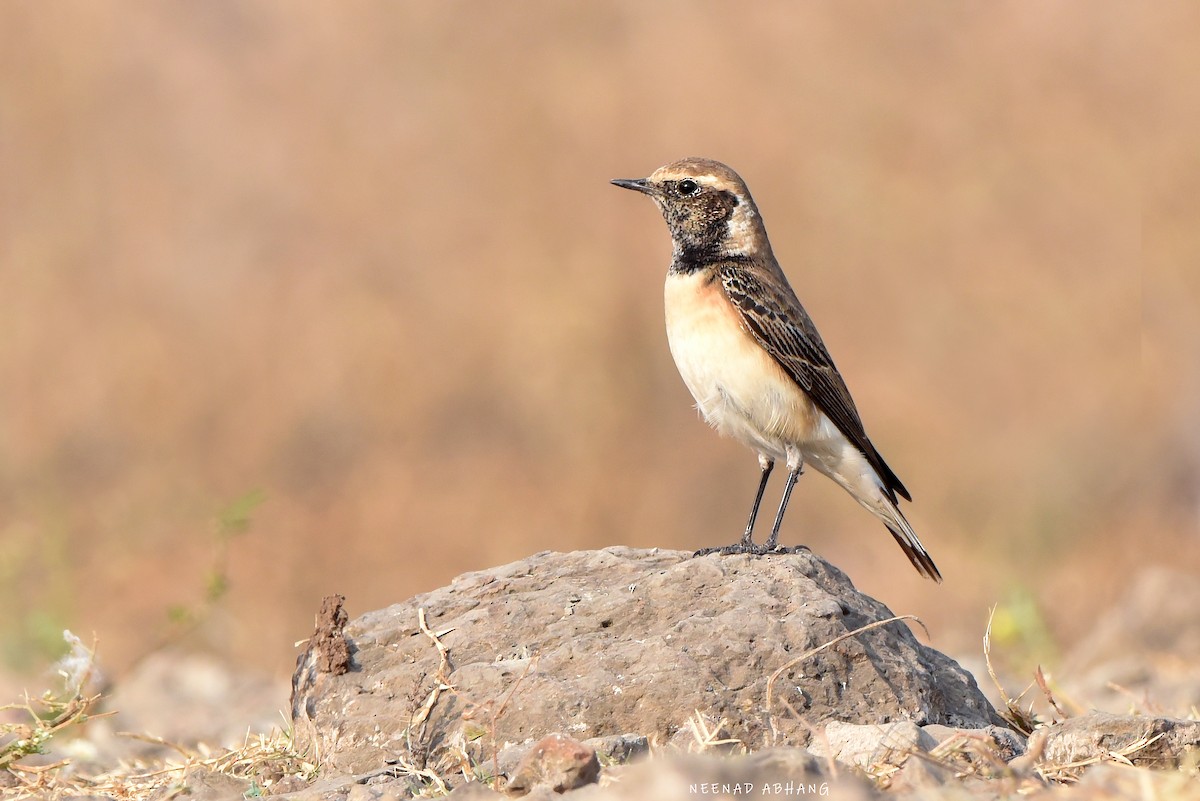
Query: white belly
(744, 393)
(739, 389)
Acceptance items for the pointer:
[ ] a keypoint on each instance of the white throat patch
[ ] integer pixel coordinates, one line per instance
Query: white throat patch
(744, 229)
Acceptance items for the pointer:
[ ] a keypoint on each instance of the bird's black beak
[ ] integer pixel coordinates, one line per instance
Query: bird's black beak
(636, 184)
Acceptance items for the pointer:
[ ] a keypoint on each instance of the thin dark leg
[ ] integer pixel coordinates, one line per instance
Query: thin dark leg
(787, 494)
(748, 537)
(746, 544)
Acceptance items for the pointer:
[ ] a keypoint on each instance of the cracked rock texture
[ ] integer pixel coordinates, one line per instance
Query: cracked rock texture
(621, 641)
(1153, 742)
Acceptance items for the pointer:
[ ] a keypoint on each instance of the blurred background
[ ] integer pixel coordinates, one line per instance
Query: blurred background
(299, 299)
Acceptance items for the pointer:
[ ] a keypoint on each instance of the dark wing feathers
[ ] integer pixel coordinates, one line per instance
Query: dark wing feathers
(775, 318)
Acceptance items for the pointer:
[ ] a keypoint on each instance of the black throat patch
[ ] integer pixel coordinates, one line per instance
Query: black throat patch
(699, 228)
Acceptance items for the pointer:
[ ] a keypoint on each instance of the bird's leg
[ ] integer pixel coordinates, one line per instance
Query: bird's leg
(795, 468)
(767, 464)
(746, 543)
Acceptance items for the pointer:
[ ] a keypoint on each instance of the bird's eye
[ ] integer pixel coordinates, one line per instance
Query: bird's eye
(688, 187)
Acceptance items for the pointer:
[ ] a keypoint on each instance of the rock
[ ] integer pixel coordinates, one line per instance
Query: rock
(386, 790)
(474, 791)
(917, 776)
(613, 750)
(1005, 743)
(865, 746)
(288, 784)
(1142, 654)
(778, 772)
(620, 640)
(1035, 747)
(617, 749)
(328, 655)
(1009, 744)
(360, 792)
(1144, 741)
(202, 784)
(383, 784)
(556, 761)
(986, 763)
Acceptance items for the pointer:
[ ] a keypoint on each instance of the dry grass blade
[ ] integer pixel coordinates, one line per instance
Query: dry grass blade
(708, 735)
(258, 756)
(51, 714)
(404, 768)
(490, 710)
(1024, 722)
(969, 753)
(160, 741)
(1050, 699)
(31, 738)
(1069, 771)
(441, 681)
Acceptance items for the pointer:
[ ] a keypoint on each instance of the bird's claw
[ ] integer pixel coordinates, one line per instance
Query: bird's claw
(752, 549)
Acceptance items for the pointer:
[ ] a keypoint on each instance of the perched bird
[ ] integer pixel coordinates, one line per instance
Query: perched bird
(752, 357)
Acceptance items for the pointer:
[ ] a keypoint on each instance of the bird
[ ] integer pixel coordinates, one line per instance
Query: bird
(751, 355)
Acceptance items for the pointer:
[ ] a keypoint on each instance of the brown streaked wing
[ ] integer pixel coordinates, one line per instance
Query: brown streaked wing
(774, 316)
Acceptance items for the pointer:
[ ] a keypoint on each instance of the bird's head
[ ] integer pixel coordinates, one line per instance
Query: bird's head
(707, 208)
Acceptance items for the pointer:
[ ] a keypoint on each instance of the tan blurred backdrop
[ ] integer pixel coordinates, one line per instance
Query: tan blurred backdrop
(364, 258)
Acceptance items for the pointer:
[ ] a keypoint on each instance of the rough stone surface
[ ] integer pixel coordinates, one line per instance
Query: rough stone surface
(555, 761)
(288, 784)
(621, 640)
(919, 776)
(474, 791)
(617, 749)
(864, 746)
(673, 776)
(778, 772)
(1145, 741)
(378, 785)
(203, 784)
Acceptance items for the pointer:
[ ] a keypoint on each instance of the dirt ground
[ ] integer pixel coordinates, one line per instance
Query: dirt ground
(185, 719)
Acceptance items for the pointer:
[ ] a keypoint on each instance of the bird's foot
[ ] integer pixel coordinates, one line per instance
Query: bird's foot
(752, 549)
